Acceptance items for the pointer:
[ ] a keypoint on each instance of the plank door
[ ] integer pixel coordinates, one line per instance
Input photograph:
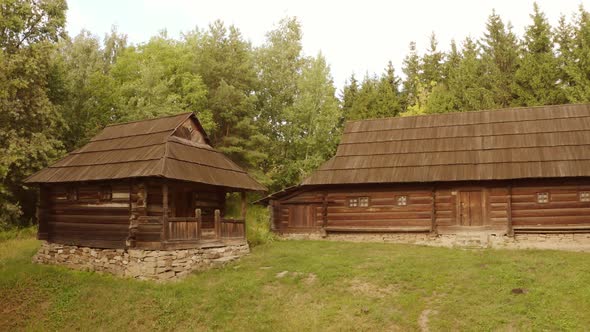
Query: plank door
(471, 208)
(302, 216)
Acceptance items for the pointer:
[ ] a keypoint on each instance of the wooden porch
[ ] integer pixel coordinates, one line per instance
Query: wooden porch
(177, 228)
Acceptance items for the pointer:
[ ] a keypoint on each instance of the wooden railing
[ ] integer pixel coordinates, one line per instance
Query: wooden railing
(190, 228)
(185, 228)
(229, 228)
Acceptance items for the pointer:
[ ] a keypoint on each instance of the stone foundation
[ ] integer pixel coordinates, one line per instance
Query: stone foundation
(158, 265)
(568, 241)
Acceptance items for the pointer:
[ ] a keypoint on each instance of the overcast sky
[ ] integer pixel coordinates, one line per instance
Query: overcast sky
(355, 36)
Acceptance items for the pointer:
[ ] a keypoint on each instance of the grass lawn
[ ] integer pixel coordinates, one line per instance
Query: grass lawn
(328, 286)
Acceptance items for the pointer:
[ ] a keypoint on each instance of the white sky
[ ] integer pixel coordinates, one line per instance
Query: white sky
(355, 36)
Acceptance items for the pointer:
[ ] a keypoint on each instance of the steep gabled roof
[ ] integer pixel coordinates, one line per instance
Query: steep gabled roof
(533, 142)
(148, 148)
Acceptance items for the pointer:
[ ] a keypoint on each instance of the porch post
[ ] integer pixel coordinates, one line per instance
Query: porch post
(217, 220)
(42, 203)
(198, 215)
(243, 194)
(165, 211)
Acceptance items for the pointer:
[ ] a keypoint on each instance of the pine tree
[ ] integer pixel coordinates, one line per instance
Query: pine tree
(388, 98)
(411, 68)
(536, 79)
(348, 98)
(563, 38)
(499, 57)
(432, 64)
(578, 65)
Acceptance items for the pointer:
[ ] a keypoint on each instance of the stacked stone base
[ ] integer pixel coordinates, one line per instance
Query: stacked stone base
(158, 265)
(567, 241)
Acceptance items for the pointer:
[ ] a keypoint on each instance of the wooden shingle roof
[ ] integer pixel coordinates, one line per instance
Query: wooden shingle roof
(148, 148)
(534, 142)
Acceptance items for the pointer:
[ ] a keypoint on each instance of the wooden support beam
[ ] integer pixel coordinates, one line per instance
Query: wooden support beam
(217, 224)
(42, 207)
(244, 205)
(510, 230)
(324, 214)
(198, 216)
(164, 211)
(271, 213)
(433, 212)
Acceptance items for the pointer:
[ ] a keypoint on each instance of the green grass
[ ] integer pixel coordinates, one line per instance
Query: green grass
(330, 286)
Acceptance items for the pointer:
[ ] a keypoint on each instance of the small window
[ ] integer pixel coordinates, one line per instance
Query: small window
(353, 202)
(364, 201)
(542, 198)
(106, 193)
(584, 196)
(401, 200)
(72, 194)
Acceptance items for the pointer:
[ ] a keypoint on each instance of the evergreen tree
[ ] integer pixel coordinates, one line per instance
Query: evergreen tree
(388, 97)
(563, 39)
(537, 77)
(499, 57)
(577, 65)
(432, 64)
(411, 68)
(348, 98)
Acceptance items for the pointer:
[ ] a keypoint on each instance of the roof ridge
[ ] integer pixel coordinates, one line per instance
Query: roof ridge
(465, 112)
(150, 119)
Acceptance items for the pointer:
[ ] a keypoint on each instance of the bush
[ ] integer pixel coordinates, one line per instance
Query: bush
(257, 220)
(258, 225)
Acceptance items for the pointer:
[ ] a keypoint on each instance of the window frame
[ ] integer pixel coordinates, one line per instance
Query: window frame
(72, 194)
(108, 190)
(405, 200)
(543, 193)
(350, 200)
(584, 199)
(368, 200)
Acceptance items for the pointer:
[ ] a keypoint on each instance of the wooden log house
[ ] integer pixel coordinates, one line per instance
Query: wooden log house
(152, 184)
(522, 170)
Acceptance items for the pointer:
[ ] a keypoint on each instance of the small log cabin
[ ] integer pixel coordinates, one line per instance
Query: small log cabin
(523, 170)
(152, 184)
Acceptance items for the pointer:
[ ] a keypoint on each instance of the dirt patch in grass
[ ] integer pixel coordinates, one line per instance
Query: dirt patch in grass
(365, 288)
(21, 305)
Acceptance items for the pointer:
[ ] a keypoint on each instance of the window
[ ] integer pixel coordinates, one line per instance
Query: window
(542, 198)
(106, 193)
(584, 196)
(364, 201)
(401, 200)
(72, 194)
(353, 202)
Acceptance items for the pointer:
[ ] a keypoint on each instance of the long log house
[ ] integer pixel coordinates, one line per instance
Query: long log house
(522, 170)
(152, 184)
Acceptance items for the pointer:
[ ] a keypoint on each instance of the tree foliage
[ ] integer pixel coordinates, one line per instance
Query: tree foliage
(30, 125)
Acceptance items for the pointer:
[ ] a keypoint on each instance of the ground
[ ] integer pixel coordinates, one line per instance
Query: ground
(310, 285)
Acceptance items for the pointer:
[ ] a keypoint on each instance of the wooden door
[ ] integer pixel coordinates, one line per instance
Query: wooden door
(471, 208)
(302, 216)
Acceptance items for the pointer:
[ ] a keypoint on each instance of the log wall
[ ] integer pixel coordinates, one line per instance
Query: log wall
(503, 207)
(87, 220)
